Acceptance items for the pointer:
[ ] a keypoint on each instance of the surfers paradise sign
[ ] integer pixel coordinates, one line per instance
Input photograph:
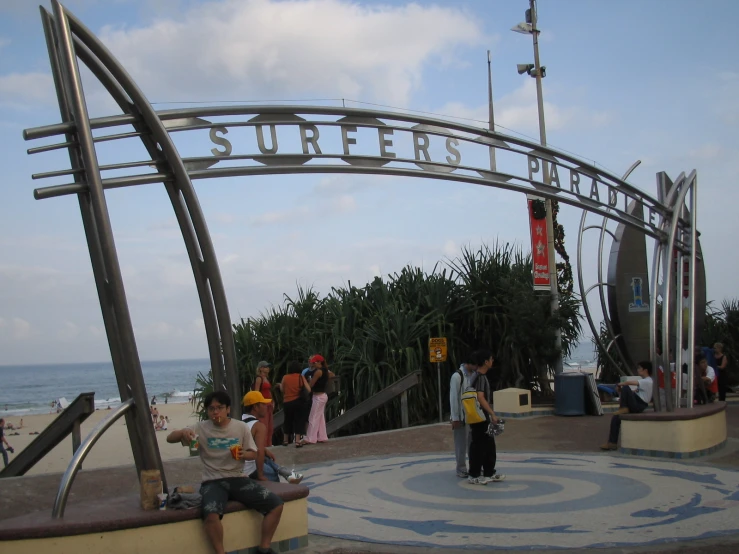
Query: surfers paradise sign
(278, 140)
(248, 140)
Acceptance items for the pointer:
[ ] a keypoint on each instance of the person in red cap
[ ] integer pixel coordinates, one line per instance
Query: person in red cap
(317, 418)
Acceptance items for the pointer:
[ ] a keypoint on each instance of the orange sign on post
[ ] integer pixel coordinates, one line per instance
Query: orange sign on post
(437, 349)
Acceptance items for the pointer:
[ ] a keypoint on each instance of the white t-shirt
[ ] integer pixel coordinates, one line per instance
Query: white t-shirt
(711, 374)
(250, 466)
(644, 390)
(215, 443)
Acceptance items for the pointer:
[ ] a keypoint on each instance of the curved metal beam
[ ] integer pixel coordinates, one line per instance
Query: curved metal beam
(183, 191)
(65, 486)
(583, 294)
(486, 136)
(602, 297)
(183, 219)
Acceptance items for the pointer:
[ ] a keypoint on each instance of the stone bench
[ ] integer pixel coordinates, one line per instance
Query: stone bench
(118, 525)
(512, 402)
(684, 433)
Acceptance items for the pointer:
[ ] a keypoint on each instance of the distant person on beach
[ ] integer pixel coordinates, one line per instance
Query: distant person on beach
(161, 424)
(317, 418)
(631, 402)
(265, 467)
(296, 408)
(4, 445)
(153, 400)
(461, 431)
(262, 385)
(223, 477)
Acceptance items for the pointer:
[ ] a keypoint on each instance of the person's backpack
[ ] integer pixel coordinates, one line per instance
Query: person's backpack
(470, 404)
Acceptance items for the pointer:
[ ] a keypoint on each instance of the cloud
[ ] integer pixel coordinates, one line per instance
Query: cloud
(69, 331)
(344, 204)
(19, 89)
(707, 152)
(258, 48)
(282, 216)
(15, 328)
(518, 112)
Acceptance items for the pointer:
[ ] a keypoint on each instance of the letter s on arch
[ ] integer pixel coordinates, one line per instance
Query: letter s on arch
(455, 157)
(221, 141)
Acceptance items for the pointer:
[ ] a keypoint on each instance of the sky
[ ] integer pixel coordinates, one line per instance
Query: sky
(631, 80)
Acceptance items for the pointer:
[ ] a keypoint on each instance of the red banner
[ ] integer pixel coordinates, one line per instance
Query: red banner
(539, 247)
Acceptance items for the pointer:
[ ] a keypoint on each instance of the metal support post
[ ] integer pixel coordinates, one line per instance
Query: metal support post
(558, 366)
(438, 383)
(130, 365)
(692, 280)
(678, 326)
(404, 409)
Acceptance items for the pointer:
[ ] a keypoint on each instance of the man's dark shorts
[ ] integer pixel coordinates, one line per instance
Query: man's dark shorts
(242, 489)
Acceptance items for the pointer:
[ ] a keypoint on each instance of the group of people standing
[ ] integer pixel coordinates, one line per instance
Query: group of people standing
(475, 437)
(304, 394)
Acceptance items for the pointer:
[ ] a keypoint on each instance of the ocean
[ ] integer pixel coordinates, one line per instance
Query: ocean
(583, 356)
(30, 389)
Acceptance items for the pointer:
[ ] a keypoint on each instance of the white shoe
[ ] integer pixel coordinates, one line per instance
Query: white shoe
(294, 478)
(495, 478)
(477, 481)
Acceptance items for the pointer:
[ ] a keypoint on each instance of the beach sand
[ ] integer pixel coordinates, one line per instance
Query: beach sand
(112, 449)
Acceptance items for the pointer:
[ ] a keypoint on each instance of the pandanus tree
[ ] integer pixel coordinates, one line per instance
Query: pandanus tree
(376, 334)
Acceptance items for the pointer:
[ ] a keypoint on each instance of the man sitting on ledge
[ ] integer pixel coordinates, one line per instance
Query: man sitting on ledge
(224, 444)
(631, 402)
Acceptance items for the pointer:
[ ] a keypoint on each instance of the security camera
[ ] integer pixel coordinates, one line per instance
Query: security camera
(524, 68)
(542, 71)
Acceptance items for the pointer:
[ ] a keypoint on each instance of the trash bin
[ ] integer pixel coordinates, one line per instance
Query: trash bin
(569, 394)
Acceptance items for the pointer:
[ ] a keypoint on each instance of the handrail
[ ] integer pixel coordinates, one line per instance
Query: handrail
(82, 452)
(64, 424)
(373, 402)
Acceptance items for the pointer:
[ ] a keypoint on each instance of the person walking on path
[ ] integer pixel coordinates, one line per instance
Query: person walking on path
(223, 477)
(317, 418)
(296, 408)
(483, 455)
(722, 365)
(4, 445)
(631, 402)
(262, 384)
(461, 431)
(265, 467)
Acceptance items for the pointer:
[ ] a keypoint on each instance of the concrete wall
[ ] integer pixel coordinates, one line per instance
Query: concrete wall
(675, 436)
(512, 401)
(241, 531)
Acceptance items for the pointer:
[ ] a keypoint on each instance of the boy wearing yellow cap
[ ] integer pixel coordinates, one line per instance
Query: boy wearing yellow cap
(264, 467)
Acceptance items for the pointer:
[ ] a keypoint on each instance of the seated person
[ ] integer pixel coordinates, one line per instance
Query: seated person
(223, 479)
(161, 424)
(264, 467)
(631, 402)
(707, 393)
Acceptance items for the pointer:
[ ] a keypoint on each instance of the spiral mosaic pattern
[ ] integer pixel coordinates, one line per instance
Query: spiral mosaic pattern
(547, 501)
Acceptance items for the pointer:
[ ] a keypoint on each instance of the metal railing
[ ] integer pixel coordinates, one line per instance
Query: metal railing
(60, 502)
(66, 423)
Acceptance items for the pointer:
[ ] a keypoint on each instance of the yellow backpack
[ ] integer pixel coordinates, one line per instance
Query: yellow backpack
(472, 410)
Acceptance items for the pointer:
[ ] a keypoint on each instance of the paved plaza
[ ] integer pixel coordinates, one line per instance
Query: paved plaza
(548, 500)
(377, 493)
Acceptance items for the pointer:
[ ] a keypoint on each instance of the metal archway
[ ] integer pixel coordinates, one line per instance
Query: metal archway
(491, 160)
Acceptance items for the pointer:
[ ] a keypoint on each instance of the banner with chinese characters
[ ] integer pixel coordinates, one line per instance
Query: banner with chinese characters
(539, 243)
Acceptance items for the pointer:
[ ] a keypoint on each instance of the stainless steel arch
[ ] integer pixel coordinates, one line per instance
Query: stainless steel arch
(68, 41)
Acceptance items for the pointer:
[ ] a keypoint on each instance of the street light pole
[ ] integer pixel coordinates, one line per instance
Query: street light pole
(558, 368)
